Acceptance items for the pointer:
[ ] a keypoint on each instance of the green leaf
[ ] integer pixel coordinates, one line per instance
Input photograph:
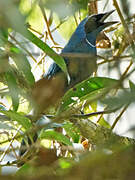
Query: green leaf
(50, 52)
(26, 168)
(72, 131)
(22, 120)
(132, 86)
(4, 33)
(13, 89)
(53, 135)
(24, 67)
(18, 24)
(33, 13)
(15, 50)
(3, 36)
(64, 164)
(118, 41)
(90, 89)
(104, 123)
(22, 63)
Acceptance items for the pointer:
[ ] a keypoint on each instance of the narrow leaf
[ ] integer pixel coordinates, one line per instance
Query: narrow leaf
(24, 67)
(22, 120)
(50, 52)
(13, 89)
(18, 24)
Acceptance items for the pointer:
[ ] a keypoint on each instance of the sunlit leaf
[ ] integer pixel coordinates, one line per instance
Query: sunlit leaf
(104, 123)
(64, 164)
(35, 19)
(53, 135)
(69, 25)
(72, 131)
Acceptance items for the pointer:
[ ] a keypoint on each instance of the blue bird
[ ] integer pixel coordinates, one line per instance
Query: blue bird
(81, 48)
(80, 58)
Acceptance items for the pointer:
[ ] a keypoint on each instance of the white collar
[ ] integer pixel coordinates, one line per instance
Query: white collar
(90, 43)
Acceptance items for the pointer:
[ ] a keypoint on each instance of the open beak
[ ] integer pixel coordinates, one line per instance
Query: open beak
(105, 16)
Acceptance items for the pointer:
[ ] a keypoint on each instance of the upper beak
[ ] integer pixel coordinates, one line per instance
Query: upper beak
(105, 16)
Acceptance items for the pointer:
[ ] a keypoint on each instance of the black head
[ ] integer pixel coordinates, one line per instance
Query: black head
(96, 22)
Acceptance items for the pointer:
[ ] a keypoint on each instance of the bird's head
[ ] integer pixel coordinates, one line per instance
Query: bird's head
(88, 29)
(96, 22)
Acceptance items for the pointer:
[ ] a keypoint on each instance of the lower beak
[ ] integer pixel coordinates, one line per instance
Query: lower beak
(105, 16)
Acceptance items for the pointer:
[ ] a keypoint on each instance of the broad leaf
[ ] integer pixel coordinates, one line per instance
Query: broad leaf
(90, 89)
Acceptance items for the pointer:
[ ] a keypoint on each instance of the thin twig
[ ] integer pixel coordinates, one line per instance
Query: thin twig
(121, 79)
(75, 20)
(124, 24)
(126, 71)
(54, 29)
(23, 48)
(93, 113)
(32, 29)
(11, 141)
(46, 21)
(114, 59)
(119, 116)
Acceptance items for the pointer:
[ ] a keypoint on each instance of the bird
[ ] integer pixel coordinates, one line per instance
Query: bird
(81, 47)
(80, 57)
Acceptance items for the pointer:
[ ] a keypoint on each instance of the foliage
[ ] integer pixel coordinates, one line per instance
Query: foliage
(63, 140)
